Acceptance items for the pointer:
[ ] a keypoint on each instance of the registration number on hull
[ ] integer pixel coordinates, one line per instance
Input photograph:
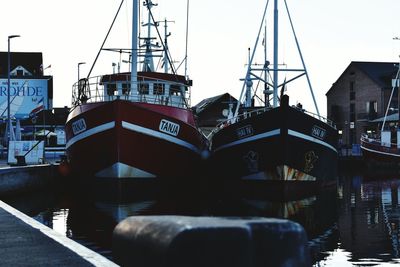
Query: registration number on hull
(78, 126)
(318, 132)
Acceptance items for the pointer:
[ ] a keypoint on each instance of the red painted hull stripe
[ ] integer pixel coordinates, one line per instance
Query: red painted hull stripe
(156, 134)
(90, 132)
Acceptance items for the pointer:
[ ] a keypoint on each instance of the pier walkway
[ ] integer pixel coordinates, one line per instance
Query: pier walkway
(26, 242)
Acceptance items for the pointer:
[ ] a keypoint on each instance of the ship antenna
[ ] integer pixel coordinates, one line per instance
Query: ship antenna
(187, 34)
(162, 42)
(275, 82)
(135, 22)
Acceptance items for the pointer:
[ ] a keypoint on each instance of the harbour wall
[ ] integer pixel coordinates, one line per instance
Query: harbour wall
(20, 179)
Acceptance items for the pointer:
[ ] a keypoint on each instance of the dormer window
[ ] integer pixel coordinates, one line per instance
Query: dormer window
(20, 71)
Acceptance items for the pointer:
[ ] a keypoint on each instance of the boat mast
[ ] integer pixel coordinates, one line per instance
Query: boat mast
(187, 34)
(266, 64)
(148, 64)
(249, 85)
(275, 81)
(166, 35)
(135, 22)
(247, 79)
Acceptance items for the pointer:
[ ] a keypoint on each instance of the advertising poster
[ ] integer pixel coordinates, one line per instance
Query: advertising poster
(20, 148)
(26, 96)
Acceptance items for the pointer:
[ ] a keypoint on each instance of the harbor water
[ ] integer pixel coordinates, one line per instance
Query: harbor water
(355, 223)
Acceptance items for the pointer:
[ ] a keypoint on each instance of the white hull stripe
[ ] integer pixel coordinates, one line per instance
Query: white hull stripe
(273, 133)
(380, 152)
(311, 139)
(250, 139)
(90, 132)
(159, 135)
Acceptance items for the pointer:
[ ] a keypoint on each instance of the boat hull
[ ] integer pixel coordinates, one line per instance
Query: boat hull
(122, 139)
(280, 146)
(374, 153)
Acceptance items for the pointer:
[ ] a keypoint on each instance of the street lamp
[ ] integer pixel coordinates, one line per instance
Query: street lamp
(79, 64)
(8, 88)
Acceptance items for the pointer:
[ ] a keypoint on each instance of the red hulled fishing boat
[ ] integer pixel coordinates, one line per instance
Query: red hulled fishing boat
(136, 124)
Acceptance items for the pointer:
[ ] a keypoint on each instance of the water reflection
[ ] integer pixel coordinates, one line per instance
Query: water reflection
(356, 223)
(368, 222)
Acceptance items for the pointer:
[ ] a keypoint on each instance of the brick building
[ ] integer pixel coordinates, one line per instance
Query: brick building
(359, 97)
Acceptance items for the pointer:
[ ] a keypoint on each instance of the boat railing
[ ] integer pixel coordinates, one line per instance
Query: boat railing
(319, 117)
(375, 143)
(152, 91)
(248, 114)
(375, 140)
(242, 116)
(369, 139)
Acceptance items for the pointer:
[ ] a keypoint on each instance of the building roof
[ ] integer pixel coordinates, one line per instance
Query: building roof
(392, 117)
(381, 73)
(31, 61)
(207, 102)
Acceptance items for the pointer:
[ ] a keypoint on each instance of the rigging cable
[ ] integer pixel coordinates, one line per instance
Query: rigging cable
(105, 39)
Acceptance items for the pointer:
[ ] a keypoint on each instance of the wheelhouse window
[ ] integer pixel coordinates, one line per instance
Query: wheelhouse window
(158, 89)
(111, 88)
(144, 88)
(175, 89)
(126, 88)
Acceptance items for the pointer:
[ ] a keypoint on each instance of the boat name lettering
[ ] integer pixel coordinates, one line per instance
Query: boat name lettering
(318, 132)
(244, 131)
(79, 126)
(169, 127)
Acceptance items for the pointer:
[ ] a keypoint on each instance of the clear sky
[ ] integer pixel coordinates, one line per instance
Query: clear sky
(331, 35)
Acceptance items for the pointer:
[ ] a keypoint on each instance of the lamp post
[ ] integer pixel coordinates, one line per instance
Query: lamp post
(8, 88)
(79, 64)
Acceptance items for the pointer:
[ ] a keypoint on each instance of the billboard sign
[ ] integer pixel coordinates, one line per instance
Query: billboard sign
(26, 96)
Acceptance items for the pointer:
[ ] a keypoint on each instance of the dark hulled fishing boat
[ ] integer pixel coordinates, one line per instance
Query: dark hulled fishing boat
(278, 146)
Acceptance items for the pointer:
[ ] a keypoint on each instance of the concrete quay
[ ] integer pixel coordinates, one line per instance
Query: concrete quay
(26, 242)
